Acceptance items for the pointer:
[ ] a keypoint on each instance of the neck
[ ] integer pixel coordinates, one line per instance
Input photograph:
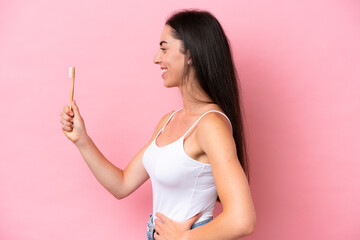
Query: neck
(194, 100)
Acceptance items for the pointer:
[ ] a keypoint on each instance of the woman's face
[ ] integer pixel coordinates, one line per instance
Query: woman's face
(170, 58)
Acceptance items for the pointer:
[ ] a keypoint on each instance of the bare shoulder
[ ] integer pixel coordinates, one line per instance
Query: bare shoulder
(165, 118)
(214, 134)
(162, 122)
(214, 122)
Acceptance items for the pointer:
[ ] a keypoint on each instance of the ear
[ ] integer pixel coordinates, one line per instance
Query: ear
(188, 57)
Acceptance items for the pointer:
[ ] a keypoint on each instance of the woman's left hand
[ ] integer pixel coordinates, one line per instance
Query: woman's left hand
(168, 229)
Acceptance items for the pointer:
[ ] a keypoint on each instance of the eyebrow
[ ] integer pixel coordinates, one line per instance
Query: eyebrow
(162, 42)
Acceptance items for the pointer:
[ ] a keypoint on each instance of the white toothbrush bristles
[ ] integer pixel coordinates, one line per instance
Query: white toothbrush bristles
(70, 71)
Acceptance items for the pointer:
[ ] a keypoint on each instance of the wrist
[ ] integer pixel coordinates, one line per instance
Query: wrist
(83, 141)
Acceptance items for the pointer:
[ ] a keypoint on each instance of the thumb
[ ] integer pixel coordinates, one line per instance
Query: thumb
(75, 108)
(192, 220)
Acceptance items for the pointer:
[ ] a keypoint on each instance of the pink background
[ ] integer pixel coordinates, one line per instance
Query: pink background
(299, 65)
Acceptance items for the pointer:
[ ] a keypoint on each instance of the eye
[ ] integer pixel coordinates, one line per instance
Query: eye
(163, 49)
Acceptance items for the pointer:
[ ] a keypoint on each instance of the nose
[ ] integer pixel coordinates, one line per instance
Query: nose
(157, 58)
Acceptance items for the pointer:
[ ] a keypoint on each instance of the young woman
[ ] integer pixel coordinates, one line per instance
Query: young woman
(196, 154)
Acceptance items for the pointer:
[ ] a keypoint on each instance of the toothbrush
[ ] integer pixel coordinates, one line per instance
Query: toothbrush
(72, 76)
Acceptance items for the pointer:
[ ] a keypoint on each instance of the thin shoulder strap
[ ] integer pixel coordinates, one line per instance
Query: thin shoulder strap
(170, 119)
(203, 116)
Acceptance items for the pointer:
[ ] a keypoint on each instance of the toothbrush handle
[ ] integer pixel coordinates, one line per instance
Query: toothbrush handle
(72, 89)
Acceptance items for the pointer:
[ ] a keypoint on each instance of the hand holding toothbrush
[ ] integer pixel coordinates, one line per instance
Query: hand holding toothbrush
(73, 125)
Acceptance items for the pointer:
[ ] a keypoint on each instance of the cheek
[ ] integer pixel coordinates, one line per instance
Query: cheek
(168, 59)
(174, 62)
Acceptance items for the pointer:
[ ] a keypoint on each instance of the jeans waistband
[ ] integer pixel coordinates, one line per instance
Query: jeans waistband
(150, 226)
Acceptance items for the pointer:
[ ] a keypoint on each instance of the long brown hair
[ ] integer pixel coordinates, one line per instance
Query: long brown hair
(203, 37)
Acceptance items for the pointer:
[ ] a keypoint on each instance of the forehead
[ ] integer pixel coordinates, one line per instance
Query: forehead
(171, 42)
(166, 34)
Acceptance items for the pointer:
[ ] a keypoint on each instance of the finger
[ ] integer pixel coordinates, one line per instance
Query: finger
(158, 223)
(162, 217)
(66, 123)
(67, 110)
(66, 117)
(157, 229)
(192, 220)
(157, 236)
(75, 108)
(67, 129)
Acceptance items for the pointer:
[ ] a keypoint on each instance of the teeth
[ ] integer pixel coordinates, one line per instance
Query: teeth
(163, 70)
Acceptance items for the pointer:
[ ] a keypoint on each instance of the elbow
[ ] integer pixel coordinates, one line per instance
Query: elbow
(250, 227)
(246, 228)
(119, 195)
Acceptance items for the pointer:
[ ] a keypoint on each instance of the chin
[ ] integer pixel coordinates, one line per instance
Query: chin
(169, 84)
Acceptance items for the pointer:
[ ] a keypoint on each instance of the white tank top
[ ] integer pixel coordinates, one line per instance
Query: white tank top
(182, 186)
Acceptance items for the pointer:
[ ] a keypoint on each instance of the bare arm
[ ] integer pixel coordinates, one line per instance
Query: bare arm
(118, 182)
(238, 216)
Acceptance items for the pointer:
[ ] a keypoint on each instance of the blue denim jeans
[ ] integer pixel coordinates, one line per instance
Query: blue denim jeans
(150, 227)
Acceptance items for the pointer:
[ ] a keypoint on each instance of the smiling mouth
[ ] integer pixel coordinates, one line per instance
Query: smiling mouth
(164, 70)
